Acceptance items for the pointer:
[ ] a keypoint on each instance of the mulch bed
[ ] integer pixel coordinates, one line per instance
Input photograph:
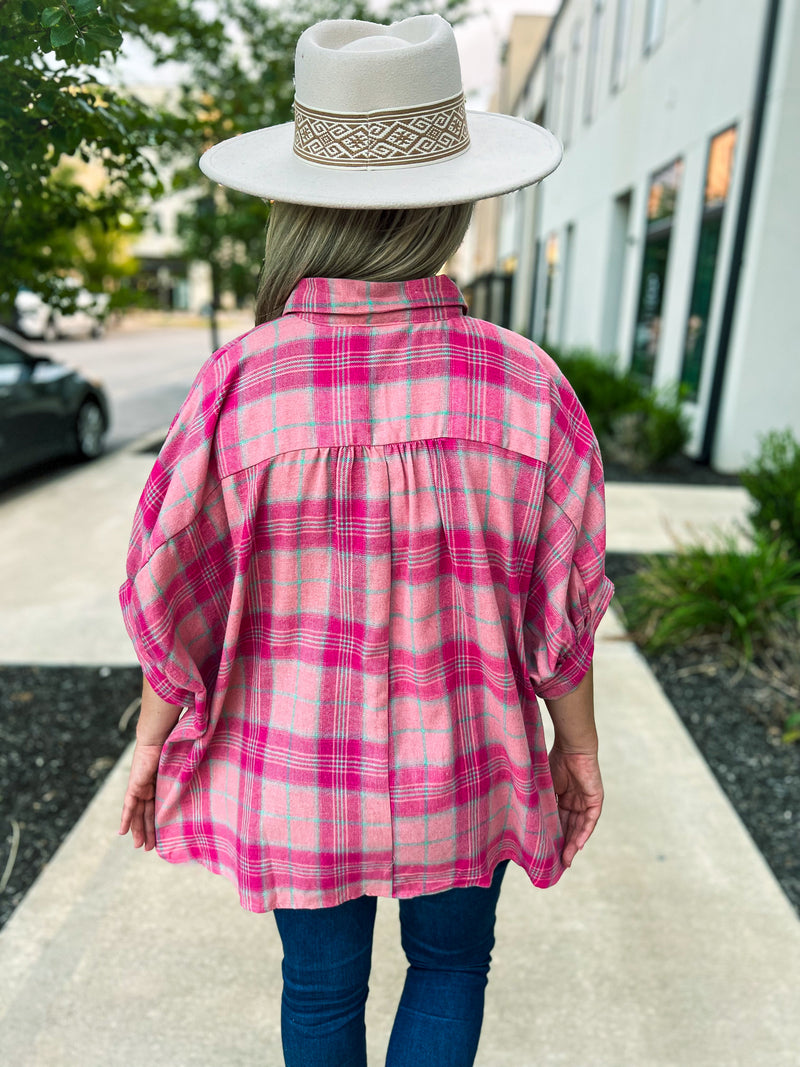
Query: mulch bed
(736, 719)
(679, 470)
(59, 738)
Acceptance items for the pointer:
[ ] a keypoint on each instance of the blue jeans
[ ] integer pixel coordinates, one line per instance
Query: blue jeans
(327, 952)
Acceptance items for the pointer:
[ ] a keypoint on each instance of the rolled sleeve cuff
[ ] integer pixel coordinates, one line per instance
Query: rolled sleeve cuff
(162, 686)
(574, 665)
(571, 670)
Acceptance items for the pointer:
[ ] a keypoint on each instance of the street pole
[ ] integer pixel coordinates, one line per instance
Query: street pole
(207, 212)
(213, 322)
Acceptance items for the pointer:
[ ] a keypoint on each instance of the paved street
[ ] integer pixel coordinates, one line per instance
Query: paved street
(147, 371)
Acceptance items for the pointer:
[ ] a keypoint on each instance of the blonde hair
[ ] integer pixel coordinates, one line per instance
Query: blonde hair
(378, 245)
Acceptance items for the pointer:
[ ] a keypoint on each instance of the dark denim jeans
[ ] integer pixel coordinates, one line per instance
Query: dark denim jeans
(447, 938)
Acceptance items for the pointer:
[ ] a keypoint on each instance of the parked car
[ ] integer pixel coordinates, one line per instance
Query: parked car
(46, 409)
(34, 319)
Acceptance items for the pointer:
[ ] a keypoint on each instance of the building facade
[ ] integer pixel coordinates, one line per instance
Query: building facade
(669, 236)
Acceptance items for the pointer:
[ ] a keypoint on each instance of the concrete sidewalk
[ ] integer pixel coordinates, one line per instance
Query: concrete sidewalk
(668, 943)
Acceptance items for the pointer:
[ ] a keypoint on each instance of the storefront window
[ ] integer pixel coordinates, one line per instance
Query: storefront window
(660, 212)
(718, 177)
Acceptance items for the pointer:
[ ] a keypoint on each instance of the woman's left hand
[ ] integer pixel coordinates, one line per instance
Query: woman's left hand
(138, 808)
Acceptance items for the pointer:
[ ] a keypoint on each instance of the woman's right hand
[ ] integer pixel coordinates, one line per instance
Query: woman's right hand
(579, 790)
(138, 808)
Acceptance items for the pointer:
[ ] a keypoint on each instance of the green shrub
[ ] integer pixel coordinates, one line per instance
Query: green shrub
(602, 391)
(773, 481)
(745, 598)
(637, 427)
(650, 432)
(791, 731)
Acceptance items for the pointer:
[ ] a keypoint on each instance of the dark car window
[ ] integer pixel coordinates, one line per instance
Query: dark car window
(10, 355)
(12, 365)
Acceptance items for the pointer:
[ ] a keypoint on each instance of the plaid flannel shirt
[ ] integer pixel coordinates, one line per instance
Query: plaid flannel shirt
(374, 534)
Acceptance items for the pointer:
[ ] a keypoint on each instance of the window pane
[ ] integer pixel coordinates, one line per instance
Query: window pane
(720, 164)
(10, 356)
(664, 188)
(663, 193)
(718, 177)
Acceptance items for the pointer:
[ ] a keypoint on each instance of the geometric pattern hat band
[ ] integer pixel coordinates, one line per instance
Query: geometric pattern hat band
(400, 137)
(373, 102)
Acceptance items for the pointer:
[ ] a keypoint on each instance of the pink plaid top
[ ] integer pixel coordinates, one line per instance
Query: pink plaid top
(374, 534)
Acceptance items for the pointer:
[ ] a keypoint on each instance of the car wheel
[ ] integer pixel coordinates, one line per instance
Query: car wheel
(89, 430)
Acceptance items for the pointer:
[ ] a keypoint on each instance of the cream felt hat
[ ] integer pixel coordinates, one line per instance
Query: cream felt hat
(380, 122)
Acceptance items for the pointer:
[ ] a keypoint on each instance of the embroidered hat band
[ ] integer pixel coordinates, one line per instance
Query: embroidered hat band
(395, 138)
(380, 122)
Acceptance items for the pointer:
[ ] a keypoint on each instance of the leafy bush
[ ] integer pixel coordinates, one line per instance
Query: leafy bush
(745, 598)
(665, 429)
(636, 426)
(647, 434)
(602, 391)
(791, 731)
(773, 481)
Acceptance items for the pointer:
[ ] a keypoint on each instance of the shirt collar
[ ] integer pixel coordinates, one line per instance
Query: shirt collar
(348, 302)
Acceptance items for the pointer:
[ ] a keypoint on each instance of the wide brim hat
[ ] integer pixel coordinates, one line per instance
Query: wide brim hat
(381, 122)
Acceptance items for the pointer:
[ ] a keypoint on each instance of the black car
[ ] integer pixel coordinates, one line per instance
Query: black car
(46, 409)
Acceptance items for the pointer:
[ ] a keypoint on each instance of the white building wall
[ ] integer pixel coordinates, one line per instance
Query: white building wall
(698, 80)
(510, 226)
(629, 296)
(697, 411)
(584, 307)
(532, 197)
(762, 383)
(524, 253)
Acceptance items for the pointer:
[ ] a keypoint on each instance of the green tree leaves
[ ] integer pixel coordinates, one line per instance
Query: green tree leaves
(61, 35)
(51, 105)
(238, 57)
(83, 30)
(242, 70)
(51, 16)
